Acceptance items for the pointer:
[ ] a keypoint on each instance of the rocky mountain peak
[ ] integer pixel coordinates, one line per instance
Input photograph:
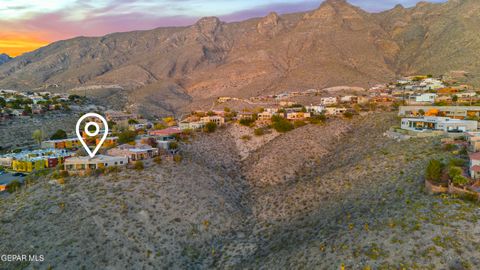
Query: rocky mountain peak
(208, 23)
(331, 9)
(270, 25)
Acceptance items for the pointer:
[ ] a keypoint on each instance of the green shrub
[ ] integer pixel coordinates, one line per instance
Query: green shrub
(457, 162)
(259, 132)
(173, 145)
(246, 137)
(281, 124)
(13, 186)
(299, 123)
(157, 160)
(58, 135)
(246, 122)
(127, 136)
(434, 170)
(348, 115)
(460, 180)
(177, 158)
(138, 165)
(318, 119)
(210, 127)
(454, 171)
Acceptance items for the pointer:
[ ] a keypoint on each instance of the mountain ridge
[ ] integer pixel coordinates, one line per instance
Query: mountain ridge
(169, 70)
(4, 58)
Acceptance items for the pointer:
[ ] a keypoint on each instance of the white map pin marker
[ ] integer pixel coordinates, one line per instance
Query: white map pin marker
(95, 133)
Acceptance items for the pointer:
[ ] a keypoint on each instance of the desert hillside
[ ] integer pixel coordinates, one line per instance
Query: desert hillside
(162, 71)
(353, 197)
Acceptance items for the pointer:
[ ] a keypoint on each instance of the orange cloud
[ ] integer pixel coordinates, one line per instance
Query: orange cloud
(17, 44)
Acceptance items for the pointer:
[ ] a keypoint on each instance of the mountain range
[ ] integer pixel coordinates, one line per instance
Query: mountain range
(4, 58)
(166, 70)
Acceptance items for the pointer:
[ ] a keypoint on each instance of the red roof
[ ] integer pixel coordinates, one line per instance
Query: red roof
(165, 132)
(475, 168)
(475, 156)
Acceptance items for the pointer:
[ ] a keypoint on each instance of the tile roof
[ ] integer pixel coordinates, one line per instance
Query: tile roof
(475, 156)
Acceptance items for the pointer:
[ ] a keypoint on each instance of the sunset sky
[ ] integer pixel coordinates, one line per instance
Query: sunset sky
(29, 24)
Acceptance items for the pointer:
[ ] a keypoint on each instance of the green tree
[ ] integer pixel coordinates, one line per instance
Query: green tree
(127, 136)
(434, 170)
(58, 135)
(210, 127)
(132, 121)
(454, 98)
(281, 124)
(138, 165)
(27, 109)
(38, 136)
(3, 103)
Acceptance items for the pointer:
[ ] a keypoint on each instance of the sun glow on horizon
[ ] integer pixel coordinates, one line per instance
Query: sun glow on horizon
(15, 45)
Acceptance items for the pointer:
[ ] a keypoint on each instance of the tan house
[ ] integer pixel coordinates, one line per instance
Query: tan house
(298, 115)
(473, 139)
(265, 117)
(474, 166)
(335, 110)
(83, 165)
(134, 152)
(215, 119)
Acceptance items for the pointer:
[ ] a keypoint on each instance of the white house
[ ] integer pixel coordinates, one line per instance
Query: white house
(426, 98)
(315, 109)
(474, 166)
(334, 110)
(328, 101)
(439, 123)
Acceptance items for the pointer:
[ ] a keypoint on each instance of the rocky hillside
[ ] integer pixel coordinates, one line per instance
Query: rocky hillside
(359, 202)
(4, 58)
(165, 69)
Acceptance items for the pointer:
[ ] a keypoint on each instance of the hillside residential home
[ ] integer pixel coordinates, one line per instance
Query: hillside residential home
(271, 110)
(27, 161)
(328, 101)
(184, 125)
(349, 99)
(425, 98)
(298, 115)
(245, 115)
(439, 123)
(117, 116)
(466, 94)
(447, 91)
(82, 165)
(335, 110)
(315, 109)
(215, 119)
(167, 134)
(458, 112)
(62, 144)
(474, 165)
(265, 117)
(109, 142)
(134, 152)
(473, 139)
